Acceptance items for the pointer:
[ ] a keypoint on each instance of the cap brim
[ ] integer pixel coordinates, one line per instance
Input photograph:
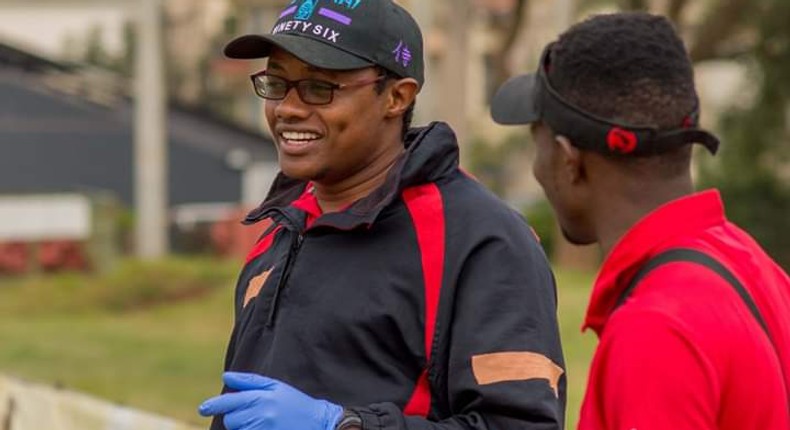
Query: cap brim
(515, 101)
(314, 52)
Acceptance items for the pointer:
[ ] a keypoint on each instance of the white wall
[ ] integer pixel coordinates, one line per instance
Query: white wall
(52, 217)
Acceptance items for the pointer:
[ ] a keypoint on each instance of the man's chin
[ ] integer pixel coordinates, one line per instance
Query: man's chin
(577, 239)
(302, 174)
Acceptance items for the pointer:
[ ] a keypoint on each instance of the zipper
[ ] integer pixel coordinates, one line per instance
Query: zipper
(296, 244)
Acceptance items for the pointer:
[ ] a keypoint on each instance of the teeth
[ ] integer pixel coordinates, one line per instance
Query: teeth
(292, 135)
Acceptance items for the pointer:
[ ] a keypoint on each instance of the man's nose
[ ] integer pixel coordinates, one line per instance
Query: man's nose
(292, 106)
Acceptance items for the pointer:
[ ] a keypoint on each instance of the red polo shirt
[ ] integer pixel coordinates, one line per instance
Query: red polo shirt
(684, 352)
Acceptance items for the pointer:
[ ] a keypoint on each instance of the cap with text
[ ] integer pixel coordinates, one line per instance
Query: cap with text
(342, 35)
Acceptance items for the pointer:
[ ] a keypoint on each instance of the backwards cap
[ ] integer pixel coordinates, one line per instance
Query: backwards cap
(530, 98)
(342, 35)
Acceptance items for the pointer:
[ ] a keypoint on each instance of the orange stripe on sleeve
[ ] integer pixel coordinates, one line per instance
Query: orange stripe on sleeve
(515, 366)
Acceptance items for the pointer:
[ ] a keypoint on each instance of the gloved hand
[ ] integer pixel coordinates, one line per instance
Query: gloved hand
(263, 403)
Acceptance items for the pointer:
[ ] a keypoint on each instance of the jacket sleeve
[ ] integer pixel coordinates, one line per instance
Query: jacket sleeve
(499, 363)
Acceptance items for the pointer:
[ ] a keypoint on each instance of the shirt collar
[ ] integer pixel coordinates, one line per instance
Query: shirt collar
(308, 204)
(652, 234)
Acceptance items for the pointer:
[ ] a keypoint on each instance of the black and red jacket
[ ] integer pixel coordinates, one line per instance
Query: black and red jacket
(428, 304)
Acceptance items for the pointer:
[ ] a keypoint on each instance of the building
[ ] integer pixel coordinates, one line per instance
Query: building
(66, 128)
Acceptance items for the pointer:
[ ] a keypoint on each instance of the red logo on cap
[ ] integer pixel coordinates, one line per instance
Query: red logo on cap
(622, 141)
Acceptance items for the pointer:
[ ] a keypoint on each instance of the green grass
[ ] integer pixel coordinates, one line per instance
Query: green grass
(73, 331)
(101, 334)
(573, 292)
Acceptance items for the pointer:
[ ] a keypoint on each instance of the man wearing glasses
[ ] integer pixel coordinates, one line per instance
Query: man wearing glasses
(392, 291)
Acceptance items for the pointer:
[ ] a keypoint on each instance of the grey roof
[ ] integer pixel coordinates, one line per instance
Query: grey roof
(24, 59)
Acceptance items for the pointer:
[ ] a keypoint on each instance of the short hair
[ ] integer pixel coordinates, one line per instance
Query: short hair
(629, 67)
(409, 114)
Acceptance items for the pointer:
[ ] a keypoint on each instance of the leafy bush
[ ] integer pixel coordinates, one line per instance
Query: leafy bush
(541, 217)
(763, 209)
(488, 160)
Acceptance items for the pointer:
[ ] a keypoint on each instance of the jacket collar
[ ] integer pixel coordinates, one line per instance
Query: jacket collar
(680, 218)
(431, 153)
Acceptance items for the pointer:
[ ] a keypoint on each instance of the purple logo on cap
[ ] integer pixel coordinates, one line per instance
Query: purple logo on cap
(339, 17)
(402, 54)
(288, 11)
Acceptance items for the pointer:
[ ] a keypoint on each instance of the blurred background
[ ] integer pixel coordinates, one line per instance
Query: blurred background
(130, 148)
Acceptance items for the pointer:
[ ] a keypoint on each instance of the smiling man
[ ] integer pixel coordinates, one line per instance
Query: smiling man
(392, 291)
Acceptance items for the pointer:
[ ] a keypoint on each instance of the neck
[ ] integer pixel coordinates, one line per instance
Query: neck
(617, 212)
(334, 197)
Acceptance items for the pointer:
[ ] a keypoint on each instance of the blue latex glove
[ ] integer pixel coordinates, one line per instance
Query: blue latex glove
(263, 403)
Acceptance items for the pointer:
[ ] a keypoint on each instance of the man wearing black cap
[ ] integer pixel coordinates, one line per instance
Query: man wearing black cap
(693, 317)
(392, 291)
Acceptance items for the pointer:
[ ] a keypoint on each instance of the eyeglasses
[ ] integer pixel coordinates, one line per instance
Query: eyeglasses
(311, 91)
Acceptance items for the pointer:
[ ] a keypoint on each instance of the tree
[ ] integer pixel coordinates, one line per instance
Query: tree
(755, 153)
(95, 52)
(125, 63)
(506, 26)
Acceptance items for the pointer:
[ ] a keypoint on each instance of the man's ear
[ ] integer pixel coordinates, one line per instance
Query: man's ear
(401, 95)
(571, 160)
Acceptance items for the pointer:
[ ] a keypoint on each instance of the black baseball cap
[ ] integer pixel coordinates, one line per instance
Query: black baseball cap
(342, 35)
(530, 98)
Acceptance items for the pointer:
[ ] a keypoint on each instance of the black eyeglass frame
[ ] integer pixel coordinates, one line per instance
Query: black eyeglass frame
(301, 90)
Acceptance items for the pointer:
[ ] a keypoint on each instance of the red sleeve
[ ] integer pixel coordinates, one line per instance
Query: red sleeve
(649, 374)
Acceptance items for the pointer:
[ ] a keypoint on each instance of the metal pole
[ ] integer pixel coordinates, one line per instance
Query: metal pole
(426, 105)
(565, 10)
(150, 152)
(455, 67)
